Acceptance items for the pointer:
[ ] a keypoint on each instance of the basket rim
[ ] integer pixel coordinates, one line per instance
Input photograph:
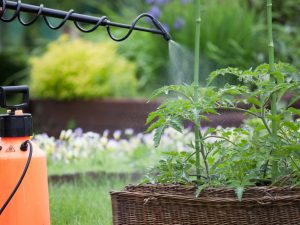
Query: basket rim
(253, 195)
(264, 189)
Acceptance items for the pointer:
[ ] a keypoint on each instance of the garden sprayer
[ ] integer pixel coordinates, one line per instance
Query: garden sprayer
(23, 166)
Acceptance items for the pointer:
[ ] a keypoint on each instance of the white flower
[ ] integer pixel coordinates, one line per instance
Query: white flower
(117, 134)
(71, 147)
(65, 135)
(105, 133)
(129, 132)
(91, 135)
(148, 140)
(62, 135)
(112, 144)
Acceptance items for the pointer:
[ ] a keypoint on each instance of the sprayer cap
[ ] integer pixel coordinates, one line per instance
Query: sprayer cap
(16, 125)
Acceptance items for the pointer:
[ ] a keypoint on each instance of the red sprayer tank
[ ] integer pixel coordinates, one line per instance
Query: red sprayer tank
(23, 167)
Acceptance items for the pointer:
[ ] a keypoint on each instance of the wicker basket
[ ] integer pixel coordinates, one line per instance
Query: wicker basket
(175, 204)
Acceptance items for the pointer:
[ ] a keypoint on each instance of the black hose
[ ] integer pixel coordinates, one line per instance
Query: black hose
(133, 25)
(41, 11)
(23, 147)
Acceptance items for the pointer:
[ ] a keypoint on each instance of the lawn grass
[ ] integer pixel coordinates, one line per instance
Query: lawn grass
(84, 202)
(90, 164)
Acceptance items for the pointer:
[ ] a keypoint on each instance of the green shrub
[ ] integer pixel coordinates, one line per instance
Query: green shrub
(78, 69)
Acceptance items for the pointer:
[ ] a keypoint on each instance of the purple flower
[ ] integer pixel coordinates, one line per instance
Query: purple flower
(155, 11)
(190, 127)
(185, 1)
(58, 143)
(78, 132)
(179, 23)
(162, 2)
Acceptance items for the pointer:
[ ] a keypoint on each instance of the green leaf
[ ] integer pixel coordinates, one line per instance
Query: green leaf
(210, 130)
(223, 72)
(200, 189)
(294, 111)
(155, 125)
(254, 101)
(295, 147)
(239, 191)
(171, 153)
(186, 91)
(176, 124)
(204, 118)
(276, 118)
(158, 92)
(285, 68)
(290, 125)
(211, 111)
(263, 68)
(278, 76)
(157, 135)
(151, 117)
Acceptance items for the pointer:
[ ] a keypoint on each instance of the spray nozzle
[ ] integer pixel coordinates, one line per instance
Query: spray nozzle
(13, 90)
(159, 26)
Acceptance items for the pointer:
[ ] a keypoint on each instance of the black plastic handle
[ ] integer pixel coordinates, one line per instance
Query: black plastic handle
(10, 90)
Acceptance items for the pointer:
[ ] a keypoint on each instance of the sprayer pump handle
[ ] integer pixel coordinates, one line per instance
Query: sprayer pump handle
(10, 90)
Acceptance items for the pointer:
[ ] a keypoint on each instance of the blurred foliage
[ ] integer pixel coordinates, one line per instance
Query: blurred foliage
(226, 39)
(12, 66)
(287, 44)
(233, 33)
(286, 28)
(78, 69)
(287, 11)
(150, 52)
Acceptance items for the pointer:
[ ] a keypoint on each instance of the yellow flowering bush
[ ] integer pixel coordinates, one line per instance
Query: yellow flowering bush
(79, 69)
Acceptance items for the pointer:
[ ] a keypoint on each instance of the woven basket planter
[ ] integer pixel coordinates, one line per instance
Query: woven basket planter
(163, 205)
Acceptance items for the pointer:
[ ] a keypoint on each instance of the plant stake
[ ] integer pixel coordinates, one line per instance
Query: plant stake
(274, 95)
(196, 88)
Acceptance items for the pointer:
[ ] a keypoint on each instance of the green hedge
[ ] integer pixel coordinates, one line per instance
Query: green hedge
(79, 69)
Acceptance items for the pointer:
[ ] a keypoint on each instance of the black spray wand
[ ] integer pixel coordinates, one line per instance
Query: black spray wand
(41, 11)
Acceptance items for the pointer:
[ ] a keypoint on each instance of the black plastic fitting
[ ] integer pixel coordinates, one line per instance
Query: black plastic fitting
(12, 125)
(24, 146)
(10, 90)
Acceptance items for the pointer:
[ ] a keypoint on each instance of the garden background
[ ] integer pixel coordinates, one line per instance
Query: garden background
(69, 66)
